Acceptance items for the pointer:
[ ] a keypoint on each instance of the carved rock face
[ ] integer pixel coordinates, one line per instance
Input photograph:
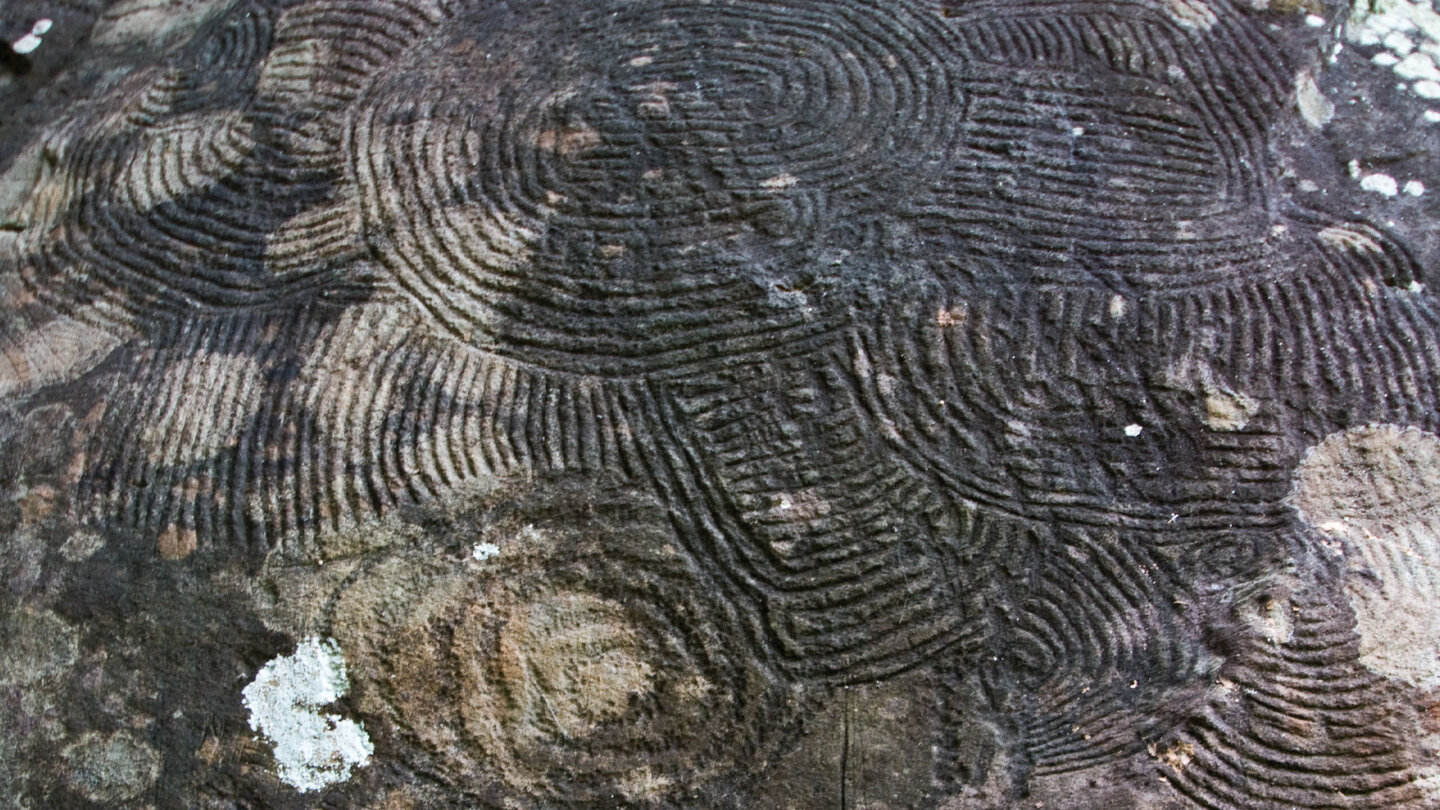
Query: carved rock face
(727, 403)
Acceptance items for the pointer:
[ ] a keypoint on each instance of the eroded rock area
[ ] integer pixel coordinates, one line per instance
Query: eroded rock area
(964, 404)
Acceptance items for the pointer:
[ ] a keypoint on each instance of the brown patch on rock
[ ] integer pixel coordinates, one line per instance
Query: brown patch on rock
(954, 316)
(38, 504)
(568, 142)
(1228, 411)
(176, 542)
(1375, 474)
(1176, 756)
(210, 751)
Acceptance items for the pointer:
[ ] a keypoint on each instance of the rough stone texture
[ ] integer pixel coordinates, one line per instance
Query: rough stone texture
(747, 403)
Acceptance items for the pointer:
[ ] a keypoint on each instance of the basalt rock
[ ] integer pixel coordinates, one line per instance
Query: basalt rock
(719, 403)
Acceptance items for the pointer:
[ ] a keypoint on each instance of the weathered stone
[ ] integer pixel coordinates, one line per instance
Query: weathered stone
(743, 403)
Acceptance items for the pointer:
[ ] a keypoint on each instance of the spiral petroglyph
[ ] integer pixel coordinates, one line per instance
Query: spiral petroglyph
(632, 207)
(734, 403)
(582, 645)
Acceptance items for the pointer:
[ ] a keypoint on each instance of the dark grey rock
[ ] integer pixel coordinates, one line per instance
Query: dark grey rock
(646, 403)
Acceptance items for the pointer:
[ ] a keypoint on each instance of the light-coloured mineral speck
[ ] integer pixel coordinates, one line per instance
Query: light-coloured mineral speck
(1315, 108)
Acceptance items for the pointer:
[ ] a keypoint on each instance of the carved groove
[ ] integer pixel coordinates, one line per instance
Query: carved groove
(783, 349)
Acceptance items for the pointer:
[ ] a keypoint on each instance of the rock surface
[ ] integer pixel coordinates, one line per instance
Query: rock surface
(739, 403)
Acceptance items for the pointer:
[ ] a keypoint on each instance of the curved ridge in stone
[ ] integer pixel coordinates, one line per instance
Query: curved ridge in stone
(970, 343)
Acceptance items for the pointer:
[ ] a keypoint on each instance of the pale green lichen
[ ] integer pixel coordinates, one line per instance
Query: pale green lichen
(1408, 30)
(312, 749)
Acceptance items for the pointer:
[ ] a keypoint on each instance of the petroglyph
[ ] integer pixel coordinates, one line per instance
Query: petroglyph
(748, 403)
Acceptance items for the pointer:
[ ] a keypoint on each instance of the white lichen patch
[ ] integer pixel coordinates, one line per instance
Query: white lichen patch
(1380, 184)
(25, 44)
(1374, 493)
(1372, 22)
(1118, 306)
(31, 41)
(1399, 43)
(1408, 33)
(312, 749)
